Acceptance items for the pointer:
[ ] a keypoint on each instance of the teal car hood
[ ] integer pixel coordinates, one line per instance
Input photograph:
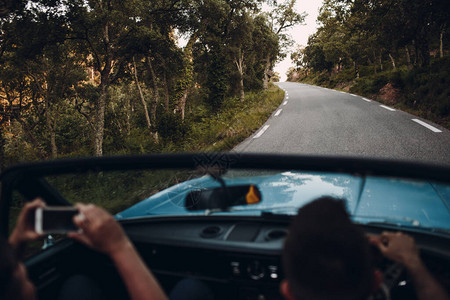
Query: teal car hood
(368, 199)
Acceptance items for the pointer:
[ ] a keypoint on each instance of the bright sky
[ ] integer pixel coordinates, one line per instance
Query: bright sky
(300, 33)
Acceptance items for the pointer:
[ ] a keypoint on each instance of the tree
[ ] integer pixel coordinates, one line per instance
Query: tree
(38, 71)
(103, 30)
(241, 44)
(281, 18)
(99, 26)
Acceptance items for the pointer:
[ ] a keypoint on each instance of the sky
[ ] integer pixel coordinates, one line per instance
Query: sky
(300, 33)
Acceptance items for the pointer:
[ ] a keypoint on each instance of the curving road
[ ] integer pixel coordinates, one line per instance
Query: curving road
(319, 121)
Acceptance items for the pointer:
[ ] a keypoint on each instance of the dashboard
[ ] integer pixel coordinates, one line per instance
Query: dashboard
(240, 257)
(237, 257)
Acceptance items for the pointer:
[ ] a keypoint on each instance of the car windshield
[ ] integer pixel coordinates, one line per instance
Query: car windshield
(412, 204)
(331, 79)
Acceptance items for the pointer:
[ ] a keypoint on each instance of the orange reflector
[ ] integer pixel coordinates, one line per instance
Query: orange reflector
(253, 196)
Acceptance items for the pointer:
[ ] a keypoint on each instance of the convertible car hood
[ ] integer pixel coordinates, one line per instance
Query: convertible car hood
(369, 199)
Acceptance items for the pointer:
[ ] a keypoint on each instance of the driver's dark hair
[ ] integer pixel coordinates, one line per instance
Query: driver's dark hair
(9, 284)
(325, 255)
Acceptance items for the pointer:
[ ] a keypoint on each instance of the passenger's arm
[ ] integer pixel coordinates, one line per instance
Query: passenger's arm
(24, 232)
(401, 248)
(102, 233)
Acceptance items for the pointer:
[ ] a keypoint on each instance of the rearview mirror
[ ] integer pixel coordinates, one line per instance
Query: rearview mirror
(222, 198)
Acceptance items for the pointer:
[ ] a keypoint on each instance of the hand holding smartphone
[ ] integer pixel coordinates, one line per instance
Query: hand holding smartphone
(55, 219)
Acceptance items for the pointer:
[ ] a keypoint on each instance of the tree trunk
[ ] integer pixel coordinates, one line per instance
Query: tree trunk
(266, 72)
(54, 147)
(166, 91)
(408, 58)
(182, 103)
(423, 48)
(241, 87)
(356, 69)
(100, 117)
(381, 63)
(2, 148)
(441, 42)
(155, 87)
(128, 112)
(141, 95)
(369, 62)
(51, 129)
(415, 52)
(392, 60)
(240, 66)
(105, 80)
(189, 73)
(374, 62)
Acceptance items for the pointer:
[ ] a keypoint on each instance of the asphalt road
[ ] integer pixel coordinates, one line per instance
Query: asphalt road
(318, 121)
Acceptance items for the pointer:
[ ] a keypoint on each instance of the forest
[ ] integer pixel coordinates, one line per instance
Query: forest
(106, 77)
(394, 51)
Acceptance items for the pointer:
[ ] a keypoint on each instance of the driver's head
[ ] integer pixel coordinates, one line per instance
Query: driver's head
(14, 282)
(325, 255)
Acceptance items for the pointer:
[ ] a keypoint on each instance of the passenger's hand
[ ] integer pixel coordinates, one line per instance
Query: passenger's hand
(398, 247)
(24, 230)
(100, 230)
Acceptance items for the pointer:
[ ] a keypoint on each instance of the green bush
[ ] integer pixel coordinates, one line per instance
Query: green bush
(369, 85)
(346, 75)
(171, 128)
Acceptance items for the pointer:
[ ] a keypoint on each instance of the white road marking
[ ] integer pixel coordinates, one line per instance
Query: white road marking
(285, 102)
(388, 108)
(368, 100)
(260, 133)
(278, 112)
(343, 92)
(434, 129)
(354, 95)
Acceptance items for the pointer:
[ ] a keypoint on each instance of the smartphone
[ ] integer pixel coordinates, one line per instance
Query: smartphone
(55, 219)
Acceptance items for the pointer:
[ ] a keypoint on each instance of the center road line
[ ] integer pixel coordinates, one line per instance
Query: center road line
(434, 129)
(278, 112)
(388, 108)
(260, 133)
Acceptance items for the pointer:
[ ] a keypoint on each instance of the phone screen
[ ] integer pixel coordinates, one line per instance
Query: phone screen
(57, 220)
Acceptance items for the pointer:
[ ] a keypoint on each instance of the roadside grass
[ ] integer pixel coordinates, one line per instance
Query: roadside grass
(235, 122)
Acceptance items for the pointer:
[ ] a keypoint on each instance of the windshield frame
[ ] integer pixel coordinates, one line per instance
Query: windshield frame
(28, 178)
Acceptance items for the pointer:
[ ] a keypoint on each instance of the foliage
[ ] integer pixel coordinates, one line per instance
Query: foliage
(93, 77)
(358, 32)
(172, 128)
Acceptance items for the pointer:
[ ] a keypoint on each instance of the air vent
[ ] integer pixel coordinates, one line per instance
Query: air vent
(211, 232)
(275, 234)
